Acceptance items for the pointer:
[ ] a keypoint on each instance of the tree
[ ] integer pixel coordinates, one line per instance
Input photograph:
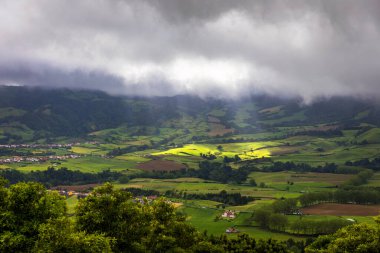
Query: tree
(285, 206)
(33, 219)
(252, 182)
(262, 217)
(244, 243)
(59, 236)
(135, 226)
(24, 207)
(124, 179)
(361, 237)
(278, 222)
(262, 185)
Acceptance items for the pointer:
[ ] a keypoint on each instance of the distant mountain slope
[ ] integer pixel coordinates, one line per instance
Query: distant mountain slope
(28, 114)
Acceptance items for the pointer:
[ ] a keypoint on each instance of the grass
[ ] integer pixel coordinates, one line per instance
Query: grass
(362, 114)
(200, 203)
(374, 181)
(87, 151)
(308, 181)
(299, 116)
(273, 144)
(190, 150)
(372, 136)
(250, 207)
(17, 129)
(300, 149)
(92, 164)
(202, 186)
(246, 150)
(11, 112)
(133, 158)
(71, 204)
(359, 219)
(272, 110)
(217, 113)
(242, 115)
(204, 219)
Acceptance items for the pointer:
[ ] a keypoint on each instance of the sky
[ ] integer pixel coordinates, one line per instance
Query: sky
(219, 48)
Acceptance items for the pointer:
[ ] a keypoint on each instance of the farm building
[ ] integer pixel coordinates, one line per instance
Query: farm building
(232, 230)
(229, 214)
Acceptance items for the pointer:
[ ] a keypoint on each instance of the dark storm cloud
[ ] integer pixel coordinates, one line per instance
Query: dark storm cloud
(44, 76)
(209, 47)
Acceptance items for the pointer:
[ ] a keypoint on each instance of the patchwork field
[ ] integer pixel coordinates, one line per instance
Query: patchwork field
(91, 164)
(374, 181)
(217, 129)
(204, 219)
(160, 165)
(181, 151)
(300, 182)
(342, 209)
(191, 185)
(77, 188)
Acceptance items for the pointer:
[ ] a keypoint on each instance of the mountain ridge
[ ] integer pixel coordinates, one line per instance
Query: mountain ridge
(33, 114)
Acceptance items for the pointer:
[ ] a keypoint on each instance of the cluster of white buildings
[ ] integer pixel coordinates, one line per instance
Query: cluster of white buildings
(50, 146)
(69, 145)
(18, 159)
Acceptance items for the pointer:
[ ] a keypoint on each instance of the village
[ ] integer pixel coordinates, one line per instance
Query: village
(41, 159)
(37, 159)
(46, 146)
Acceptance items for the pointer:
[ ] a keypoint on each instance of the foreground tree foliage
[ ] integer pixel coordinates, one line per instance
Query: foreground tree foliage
(273, 217)
(24, 207)
(59, 236)
(33, 219)
(363, 238)
(135, 226)
(62, 176)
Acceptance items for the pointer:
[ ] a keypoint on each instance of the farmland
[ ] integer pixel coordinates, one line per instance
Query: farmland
(342, 210)
(266, 150)
(270, 185)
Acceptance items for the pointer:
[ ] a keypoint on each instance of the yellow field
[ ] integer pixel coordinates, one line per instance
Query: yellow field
(247, 150)
(84, 151)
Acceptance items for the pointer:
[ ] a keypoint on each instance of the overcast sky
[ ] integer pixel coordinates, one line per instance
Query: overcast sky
(207, 47)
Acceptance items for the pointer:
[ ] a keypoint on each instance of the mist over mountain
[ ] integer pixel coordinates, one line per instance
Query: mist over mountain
(224, 49)
(32, 114)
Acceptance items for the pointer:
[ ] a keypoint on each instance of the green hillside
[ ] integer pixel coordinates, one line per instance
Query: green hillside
(30, 115)
(205, 155)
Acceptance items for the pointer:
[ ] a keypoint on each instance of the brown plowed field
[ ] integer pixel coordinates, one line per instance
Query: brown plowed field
(77, 188)
(160, 165)
(342, 209)
(219, 129)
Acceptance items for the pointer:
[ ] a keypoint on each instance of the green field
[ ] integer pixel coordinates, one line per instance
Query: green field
(300, 182)
(10, 112)
(183, 140)
(71, 204)
(91, 164)
(191, 185)
(374, 181)
(204, 219)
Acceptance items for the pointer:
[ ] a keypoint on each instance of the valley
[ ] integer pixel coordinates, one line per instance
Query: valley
(191, 150)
